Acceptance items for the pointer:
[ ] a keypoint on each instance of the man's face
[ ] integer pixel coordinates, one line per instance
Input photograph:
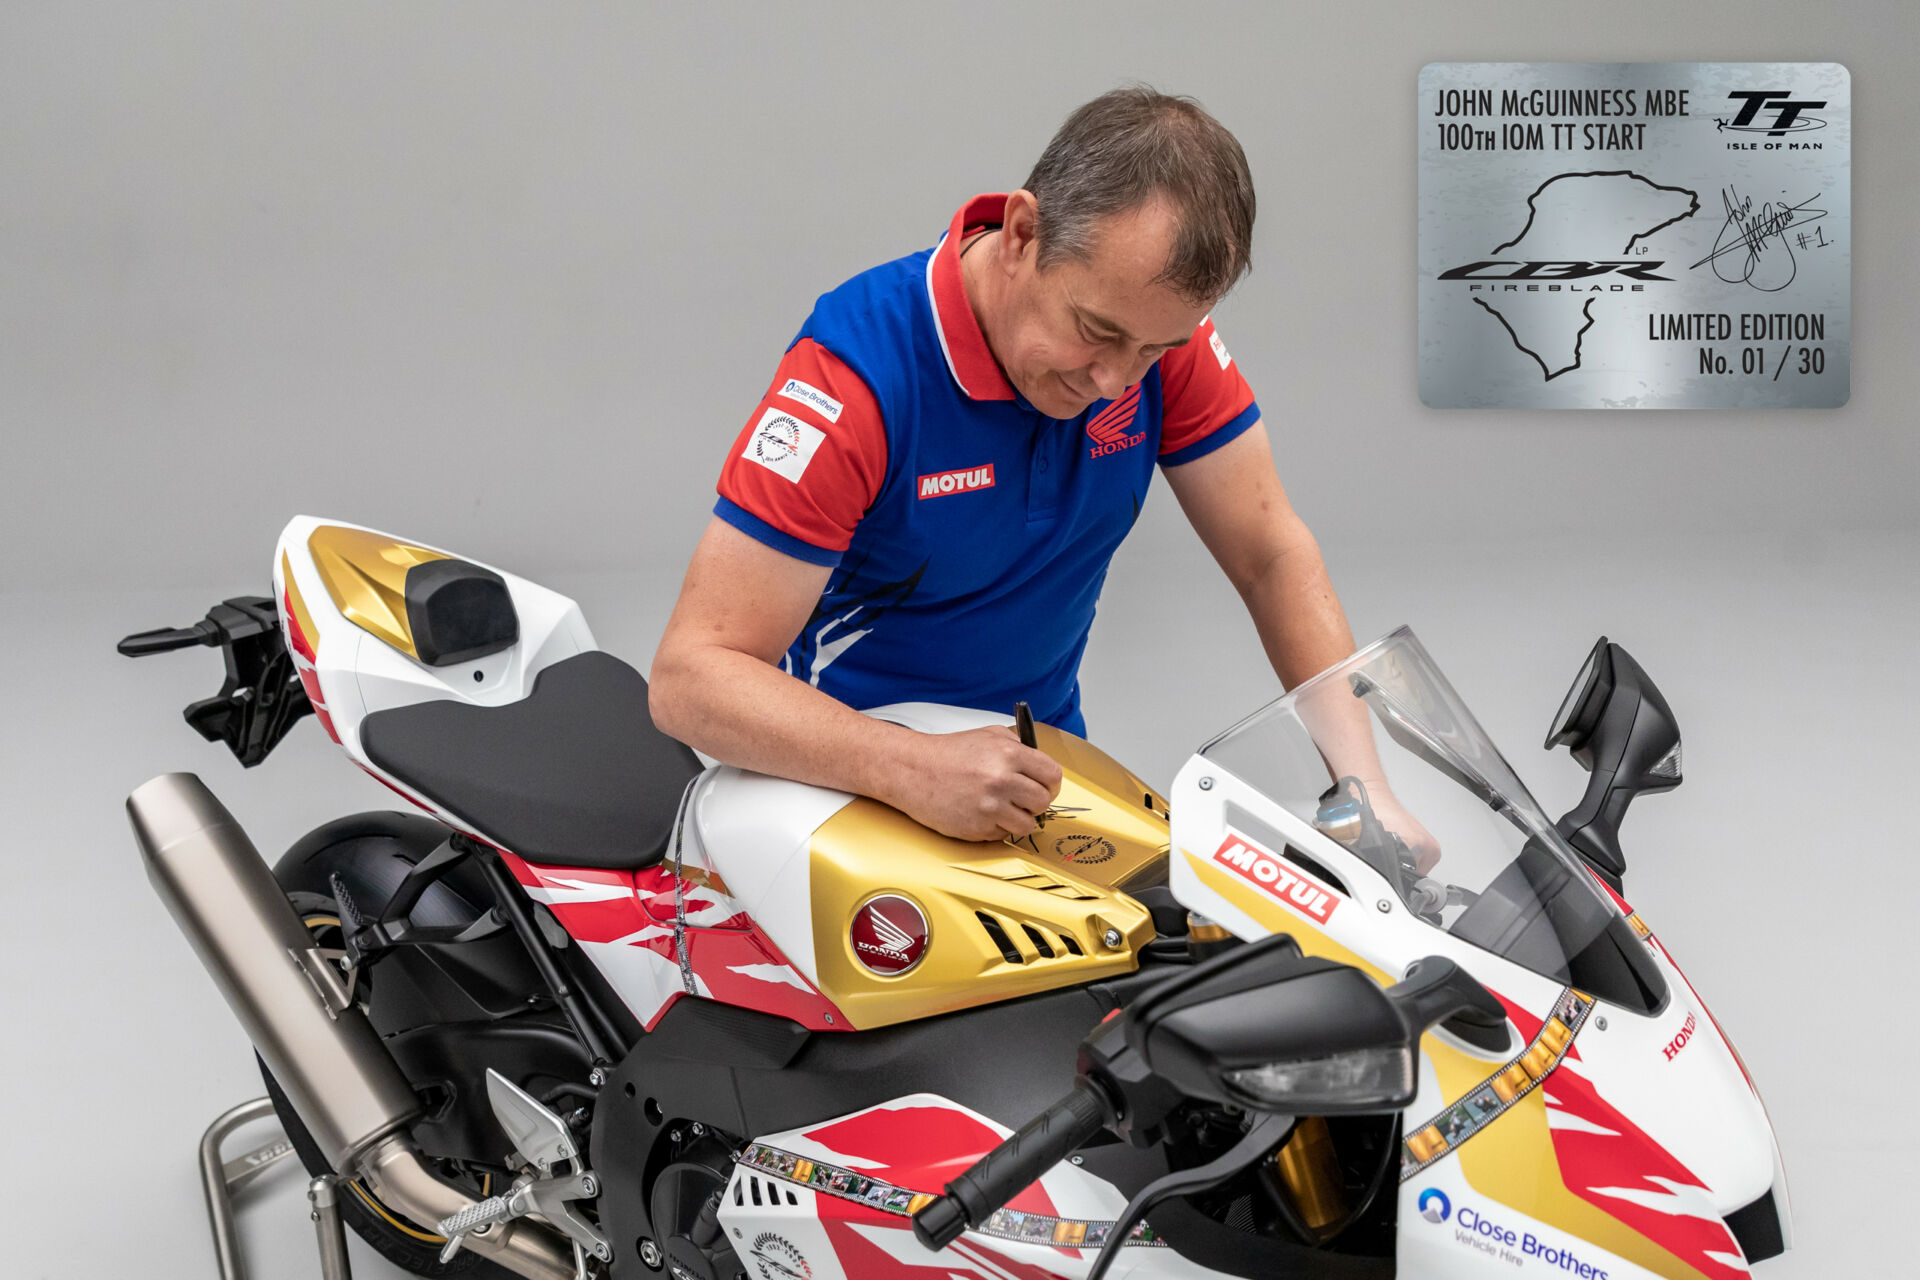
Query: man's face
(1080, 331)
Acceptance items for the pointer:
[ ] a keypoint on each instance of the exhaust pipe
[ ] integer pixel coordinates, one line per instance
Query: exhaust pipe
(324, 1053)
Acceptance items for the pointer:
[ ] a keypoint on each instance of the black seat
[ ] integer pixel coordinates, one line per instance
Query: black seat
(574, 774)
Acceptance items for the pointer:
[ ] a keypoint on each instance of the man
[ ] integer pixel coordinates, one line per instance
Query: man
(923, 505)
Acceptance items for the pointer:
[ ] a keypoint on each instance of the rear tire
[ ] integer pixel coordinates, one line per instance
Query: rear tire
(406, 1244)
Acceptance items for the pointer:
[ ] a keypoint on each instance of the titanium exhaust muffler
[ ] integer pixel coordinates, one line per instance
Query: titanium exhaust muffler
(326, 1056)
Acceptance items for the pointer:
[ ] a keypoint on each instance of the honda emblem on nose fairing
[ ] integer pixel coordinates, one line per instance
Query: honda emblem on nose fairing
(889, 935)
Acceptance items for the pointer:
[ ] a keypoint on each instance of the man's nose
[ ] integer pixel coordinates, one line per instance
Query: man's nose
(1109, 378)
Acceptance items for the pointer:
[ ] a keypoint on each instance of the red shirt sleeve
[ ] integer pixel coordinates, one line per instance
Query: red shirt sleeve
(809, 461)
(1204, 400)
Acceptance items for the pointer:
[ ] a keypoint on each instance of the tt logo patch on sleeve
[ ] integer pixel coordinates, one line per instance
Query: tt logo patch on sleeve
(783, 444)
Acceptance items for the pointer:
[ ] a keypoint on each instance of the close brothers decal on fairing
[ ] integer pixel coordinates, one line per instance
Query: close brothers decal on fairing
(1473, 1228)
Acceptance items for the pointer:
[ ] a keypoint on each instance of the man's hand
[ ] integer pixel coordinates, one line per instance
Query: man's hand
(1394, 817)
(981, 784)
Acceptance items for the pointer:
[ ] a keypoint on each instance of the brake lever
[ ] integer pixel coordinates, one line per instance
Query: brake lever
(1267, 1132)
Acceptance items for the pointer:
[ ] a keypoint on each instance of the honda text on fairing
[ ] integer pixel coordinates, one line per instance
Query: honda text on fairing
(596, 1011)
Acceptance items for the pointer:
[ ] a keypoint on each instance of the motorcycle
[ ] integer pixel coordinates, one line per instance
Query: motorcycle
(593, 1010)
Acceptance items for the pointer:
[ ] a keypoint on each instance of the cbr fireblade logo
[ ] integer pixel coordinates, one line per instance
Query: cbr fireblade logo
(1292, 886)
(1552, 270)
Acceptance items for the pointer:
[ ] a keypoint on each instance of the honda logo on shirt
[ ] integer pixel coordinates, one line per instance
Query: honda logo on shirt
(1108, 429)
(965, 480)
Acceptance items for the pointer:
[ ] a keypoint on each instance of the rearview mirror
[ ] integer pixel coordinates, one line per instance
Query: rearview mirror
(1620, 729)
(1268, 1028)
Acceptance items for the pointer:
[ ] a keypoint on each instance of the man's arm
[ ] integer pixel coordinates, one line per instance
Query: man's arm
(717, 686)
(1235, 502)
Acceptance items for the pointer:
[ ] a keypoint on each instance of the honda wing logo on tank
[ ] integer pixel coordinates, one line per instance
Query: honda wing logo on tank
(889, 935)
(1292, 886)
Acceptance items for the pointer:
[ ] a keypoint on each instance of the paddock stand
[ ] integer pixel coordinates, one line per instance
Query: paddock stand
(222, 1181)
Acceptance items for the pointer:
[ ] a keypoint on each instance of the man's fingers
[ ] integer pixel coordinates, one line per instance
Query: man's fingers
(1042, 768)
(1017, 822)
(1026, 795)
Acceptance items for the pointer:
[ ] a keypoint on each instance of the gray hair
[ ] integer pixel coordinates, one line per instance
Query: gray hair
(1127, 147)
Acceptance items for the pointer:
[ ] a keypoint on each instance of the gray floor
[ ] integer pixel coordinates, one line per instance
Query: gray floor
(1779, 875)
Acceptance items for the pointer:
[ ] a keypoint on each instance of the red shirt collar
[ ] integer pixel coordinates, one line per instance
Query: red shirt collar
(968, 357)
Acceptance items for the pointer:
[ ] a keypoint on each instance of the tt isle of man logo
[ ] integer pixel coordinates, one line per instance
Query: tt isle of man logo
(1109, 429)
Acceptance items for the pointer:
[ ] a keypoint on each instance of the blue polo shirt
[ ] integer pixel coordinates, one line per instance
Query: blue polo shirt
(969, 534)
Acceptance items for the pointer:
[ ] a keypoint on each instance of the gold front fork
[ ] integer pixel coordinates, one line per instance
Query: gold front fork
(1311, 1174)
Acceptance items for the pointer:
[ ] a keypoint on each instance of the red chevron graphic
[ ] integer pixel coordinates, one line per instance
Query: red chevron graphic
(1110, 425)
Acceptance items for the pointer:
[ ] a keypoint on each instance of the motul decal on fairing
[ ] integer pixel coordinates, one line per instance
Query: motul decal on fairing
(1288, 883)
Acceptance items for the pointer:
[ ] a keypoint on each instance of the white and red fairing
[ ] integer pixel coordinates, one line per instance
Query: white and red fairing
(785, 1226)
(1651, 1122)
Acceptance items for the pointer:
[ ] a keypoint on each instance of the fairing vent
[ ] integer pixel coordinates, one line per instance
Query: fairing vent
(1046, 944)
(1032, 878)
(761, 1192)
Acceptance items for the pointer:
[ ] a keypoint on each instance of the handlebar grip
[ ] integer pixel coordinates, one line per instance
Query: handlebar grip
(1013, 1166)
(164, 639)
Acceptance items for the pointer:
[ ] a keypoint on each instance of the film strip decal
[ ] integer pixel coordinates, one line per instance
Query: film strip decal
(1003, 1224)
(1488, 1100)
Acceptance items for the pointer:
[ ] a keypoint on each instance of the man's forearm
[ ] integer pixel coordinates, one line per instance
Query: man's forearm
(744, 712)
(1294, 608)
(1304, 631)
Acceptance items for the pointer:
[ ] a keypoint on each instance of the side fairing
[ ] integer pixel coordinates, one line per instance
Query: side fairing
(836, 1200)
(962, 923)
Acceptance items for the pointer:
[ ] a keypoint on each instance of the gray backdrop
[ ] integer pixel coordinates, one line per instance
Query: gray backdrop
(507, 279)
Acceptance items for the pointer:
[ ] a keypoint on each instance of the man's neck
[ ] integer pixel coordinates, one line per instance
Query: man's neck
(982, 284)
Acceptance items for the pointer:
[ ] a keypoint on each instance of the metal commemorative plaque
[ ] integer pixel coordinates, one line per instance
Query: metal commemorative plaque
(1635, 235)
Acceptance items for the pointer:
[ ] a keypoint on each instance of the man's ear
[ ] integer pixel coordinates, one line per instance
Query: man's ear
(1019, 228)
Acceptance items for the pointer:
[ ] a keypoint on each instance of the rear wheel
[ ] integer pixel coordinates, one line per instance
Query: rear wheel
(408, 1245)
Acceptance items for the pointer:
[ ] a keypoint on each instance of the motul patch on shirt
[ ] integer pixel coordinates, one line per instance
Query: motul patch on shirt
(1292, 886)
(961, 481)
(783, 444)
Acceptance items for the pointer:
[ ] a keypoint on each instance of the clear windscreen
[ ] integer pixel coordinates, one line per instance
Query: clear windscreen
(1380, 755)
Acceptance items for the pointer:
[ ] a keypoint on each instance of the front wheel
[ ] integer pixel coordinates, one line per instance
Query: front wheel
(406, 1244)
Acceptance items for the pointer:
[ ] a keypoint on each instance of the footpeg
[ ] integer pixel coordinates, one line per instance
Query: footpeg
(540, 1139)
